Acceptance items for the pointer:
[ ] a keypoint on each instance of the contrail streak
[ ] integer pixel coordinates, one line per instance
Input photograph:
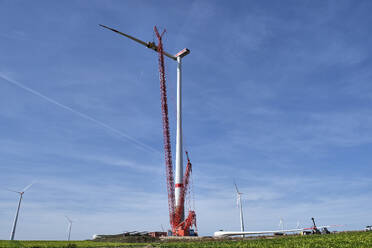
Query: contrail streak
(85, 116)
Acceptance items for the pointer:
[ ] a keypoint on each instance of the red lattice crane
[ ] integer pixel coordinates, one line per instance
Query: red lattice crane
(179, 226)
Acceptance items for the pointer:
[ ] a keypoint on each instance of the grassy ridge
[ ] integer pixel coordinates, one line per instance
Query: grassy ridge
(342, 240)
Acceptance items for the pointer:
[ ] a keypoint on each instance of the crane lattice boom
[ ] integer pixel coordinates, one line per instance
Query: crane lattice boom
(166, 134)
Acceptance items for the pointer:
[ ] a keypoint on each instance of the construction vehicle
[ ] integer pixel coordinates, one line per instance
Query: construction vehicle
(315, 230)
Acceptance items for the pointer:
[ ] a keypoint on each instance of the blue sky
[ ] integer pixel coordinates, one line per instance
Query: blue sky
(277, 97)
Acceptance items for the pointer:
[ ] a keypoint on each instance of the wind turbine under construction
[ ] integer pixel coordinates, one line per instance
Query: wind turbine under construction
(177, 185)
(19, 206)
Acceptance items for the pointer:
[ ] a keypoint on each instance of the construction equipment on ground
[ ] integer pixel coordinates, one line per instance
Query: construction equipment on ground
(315, 229)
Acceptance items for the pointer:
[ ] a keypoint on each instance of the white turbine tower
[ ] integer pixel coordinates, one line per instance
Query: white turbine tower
(19, 206)
(281, 224)
(239, 202)
(69, 228)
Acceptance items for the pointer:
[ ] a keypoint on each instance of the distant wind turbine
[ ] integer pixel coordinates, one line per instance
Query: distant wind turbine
(19, 206)
(69, 227)
(239, 202)
(281, 224)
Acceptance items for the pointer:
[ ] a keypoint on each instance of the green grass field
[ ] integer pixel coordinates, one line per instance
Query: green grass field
(342, 240)
(64, 244)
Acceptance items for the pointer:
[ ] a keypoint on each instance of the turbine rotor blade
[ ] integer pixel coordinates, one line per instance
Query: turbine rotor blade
(150, 45)
(27, 187)
(236, 187)
(68, 219)
(12, 190)
(126, 35)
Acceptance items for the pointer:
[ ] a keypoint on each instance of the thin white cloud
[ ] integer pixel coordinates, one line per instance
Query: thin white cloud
(85, 116)
(131, 164)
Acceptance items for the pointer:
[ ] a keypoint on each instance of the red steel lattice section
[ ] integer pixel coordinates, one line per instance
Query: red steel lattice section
(166, 134)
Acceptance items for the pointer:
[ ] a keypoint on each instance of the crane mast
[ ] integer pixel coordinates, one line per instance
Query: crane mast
(166, 135)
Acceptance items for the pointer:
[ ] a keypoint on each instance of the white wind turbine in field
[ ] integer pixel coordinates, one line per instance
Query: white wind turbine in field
(19, 206)
(69, 227)
(239, 202)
